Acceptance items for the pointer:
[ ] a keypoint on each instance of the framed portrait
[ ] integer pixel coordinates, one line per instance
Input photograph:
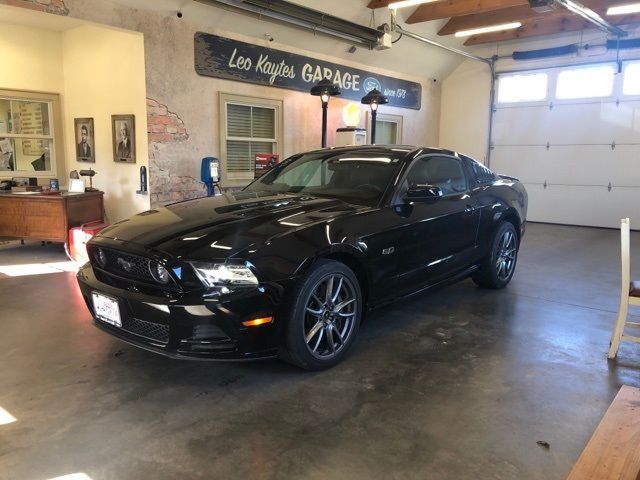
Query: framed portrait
(85, 140)
(123, 129)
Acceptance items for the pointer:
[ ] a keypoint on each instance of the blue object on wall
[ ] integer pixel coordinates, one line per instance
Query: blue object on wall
(545, 52)
(205, 174)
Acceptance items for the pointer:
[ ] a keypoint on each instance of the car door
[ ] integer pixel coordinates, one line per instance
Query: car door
(441, 230)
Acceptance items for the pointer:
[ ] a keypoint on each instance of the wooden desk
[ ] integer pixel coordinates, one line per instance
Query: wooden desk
(47, 216)
(613, 453)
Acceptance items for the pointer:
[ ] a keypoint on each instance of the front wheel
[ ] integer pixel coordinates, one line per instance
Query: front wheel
(324, 316)
(498, 267)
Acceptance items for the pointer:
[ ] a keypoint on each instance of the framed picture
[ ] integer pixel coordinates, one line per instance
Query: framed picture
(85, 140)
(123, 129)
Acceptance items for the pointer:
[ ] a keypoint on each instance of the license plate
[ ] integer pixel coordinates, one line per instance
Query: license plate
(106, 309)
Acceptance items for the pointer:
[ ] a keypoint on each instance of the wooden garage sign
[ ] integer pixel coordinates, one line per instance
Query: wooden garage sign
(233, 60)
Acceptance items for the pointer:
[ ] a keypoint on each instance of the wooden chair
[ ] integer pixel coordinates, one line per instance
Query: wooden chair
(629, 294)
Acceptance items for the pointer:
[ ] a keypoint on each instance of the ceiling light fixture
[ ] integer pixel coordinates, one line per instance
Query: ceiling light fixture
(493, 28)
(624, 9)
(407, 3)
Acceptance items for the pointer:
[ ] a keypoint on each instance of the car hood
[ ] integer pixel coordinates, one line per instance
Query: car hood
(223, 226)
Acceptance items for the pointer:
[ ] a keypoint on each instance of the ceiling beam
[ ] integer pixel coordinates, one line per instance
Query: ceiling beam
(379, 3)
(454, 8)
(521, 14)
(558, 24)
(593, 17)
(506, 15)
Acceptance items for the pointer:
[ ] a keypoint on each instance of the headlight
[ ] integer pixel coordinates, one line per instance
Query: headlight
(224, 275)
(159, 273)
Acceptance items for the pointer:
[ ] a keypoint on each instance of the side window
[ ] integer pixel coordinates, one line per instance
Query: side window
(443, 172)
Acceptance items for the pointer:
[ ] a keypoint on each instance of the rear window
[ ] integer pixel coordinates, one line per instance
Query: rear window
(484, 175)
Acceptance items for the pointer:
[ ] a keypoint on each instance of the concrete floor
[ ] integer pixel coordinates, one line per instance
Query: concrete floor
(458, 384)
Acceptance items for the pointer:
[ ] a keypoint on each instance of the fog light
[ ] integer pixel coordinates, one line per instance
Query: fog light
(101, 257)
(257, 321)
(159, 273)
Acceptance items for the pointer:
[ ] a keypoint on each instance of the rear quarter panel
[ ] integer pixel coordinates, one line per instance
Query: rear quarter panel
(504, 199)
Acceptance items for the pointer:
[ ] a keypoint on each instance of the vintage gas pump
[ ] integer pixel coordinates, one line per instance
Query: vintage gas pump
(210, 174)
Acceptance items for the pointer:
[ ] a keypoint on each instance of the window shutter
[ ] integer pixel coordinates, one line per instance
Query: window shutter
(263, 122)
(238, 120)
(238, 156)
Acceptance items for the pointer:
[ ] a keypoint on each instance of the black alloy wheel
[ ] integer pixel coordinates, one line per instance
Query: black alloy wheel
(498, 267)
(324, 317)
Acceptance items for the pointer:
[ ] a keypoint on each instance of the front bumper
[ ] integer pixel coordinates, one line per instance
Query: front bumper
(191, 326)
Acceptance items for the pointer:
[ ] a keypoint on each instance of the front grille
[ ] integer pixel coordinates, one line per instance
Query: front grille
(150, 330)
(128, 265)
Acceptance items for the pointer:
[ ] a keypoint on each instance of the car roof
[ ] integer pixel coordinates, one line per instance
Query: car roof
(410, 150)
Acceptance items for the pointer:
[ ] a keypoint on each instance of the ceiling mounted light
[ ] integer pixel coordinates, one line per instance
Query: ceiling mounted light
(493, 28)
(624, 9)
(407, 3)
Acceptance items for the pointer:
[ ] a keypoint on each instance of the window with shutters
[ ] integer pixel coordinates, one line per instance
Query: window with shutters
(248, 126)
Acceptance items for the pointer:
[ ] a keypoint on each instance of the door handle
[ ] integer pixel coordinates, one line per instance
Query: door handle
(469, 210)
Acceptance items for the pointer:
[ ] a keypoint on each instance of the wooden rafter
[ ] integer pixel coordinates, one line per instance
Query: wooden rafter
(557, 24)
(522, 14)
(379, 3)
(454, 8)
(497, 17)
(469, 14)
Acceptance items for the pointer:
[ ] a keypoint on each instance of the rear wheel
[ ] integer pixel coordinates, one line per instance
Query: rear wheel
(498, 267)
(324, 316)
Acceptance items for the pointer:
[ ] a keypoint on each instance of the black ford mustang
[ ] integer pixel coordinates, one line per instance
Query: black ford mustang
(287, 266)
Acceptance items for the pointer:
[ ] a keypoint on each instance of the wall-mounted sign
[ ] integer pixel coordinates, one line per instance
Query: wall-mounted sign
(233, 60)
(265, 162)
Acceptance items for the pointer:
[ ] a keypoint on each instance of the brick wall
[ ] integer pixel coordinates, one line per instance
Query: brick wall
(165, 128)
(50, 6)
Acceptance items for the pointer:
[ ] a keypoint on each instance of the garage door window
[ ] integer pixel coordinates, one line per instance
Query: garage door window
(631, 83)
(522, 88)
(249, 126)
(585, 83)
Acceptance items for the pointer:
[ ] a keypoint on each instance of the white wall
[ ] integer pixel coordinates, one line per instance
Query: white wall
(31, 59)
(464, 112)
(103, 76)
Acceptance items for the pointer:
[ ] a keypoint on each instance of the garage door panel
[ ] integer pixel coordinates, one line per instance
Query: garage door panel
(521, 162)
(571, 165)
(593, 123)
(593, 206)
(509, 127)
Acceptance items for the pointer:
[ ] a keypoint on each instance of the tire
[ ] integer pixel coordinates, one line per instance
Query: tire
(321, 328)
(497, 269)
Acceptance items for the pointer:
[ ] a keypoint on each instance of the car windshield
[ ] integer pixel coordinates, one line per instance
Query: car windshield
(360, 177)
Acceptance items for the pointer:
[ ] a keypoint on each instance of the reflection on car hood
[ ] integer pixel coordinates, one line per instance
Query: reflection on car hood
(219, 227)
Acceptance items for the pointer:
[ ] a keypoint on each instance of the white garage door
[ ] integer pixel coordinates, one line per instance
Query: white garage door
(572, 136)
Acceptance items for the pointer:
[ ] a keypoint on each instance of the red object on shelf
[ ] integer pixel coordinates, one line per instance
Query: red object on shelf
(78, 238)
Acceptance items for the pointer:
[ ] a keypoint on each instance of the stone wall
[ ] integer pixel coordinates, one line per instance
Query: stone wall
(57, 7)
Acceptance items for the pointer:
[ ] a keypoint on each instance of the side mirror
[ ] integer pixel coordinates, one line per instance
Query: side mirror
(422, 192)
